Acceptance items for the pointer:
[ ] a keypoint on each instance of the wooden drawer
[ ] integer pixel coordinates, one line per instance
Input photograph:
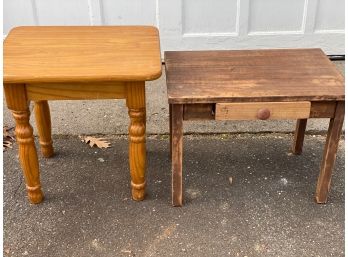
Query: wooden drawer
(262, 111)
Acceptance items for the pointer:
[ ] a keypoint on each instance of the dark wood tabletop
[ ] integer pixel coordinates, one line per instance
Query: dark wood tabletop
(252, 75)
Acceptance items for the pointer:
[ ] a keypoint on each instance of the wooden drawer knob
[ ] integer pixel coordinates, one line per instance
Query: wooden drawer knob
(263, 114)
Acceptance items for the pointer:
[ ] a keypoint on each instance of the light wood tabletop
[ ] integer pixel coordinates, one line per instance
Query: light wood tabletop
(252, 75)
(81, 53)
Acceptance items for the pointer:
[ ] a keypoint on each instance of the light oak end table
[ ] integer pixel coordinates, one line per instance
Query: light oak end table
(255, 85)
(75, 63)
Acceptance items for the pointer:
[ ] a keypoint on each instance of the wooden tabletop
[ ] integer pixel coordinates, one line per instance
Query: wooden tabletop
(81, 54)
(252, 75)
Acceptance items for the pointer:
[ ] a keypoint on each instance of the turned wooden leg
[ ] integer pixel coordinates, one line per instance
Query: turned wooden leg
(43, 123)
(137, 138)
(329, 156)
(17, 102)
(176, 153)
(299, 136)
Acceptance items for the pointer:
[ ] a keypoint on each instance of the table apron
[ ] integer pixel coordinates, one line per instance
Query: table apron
(76, 91)
(321, 109)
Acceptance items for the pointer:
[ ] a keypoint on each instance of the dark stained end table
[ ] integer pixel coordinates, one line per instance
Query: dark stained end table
(255, 85)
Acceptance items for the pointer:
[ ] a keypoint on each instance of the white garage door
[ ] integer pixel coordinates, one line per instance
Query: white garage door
(200, 24)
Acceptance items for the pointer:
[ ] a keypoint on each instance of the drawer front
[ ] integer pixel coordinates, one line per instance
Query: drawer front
(263, 111)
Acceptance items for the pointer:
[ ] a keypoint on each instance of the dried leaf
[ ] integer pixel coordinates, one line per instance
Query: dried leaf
(8, 133)
(8, 138)
(7, 144)
(5, 131)
(93, 141)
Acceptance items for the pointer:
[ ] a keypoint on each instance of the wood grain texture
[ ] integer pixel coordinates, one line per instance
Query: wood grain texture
(76, 91)
(43, 123)
(19, 105)
(251, 111)
(199, 112)
(252, 76)
(177, 152)
(207, 111)
(170, 131)
(323, 109)
(81, 53)
(79, 62)
(299, 136)
(16, 97)
(137, 137)
(329, 156)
